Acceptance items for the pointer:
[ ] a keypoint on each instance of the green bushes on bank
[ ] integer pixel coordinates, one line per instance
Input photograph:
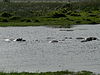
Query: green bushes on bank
(52, 73)
(15, 18)
(5, 14)
(56, 14)
(26, 20)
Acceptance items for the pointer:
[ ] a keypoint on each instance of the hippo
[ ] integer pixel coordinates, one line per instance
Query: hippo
(89, 39)
(68, 37)
(20, 39)
(53, 41)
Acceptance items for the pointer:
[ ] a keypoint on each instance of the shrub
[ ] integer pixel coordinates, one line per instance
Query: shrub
(69, 19)
(57, 15)
(78, 22)
(4, 20)
(1, 19)
(75, 14)
(89, 11)
(26, 20)
(36, 21)
(93, 22)
(23, 20)
(69, 12)
(88, 19)
(92, 15)
(5, 14)
(64, 10)
(15, 18)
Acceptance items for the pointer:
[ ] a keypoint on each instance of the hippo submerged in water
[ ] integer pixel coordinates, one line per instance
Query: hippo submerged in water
(19, 39)
(53, 41)
(89, 39)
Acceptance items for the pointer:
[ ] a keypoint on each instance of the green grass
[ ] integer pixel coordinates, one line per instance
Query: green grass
(45, 23)
(55, 14)
(57, 21)
(52, 73)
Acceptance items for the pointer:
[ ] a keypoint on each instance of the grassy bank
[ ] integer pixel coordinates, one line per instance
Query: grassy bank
(52, 73)
(55, 14)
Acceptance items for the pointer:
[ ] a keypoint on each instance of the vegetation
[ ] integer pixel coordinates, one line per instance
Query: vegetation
(56, 14)
(52, 73)
(6, 0)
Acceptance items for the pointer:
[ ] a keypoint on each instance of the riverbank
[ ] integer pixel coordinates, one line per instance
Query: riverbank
(55, 20)
(52, 73)
(55, 14)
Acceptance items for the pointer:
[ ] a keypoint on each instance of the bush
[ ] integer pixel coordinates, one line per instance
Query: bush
(78, 22)
(36, 21)
(92, 15)
(93, 22)
(75, 14)
(64, 10)
(57, 15)
(15, 18)
(5, 14)
(69, 12)
(85, 73)
(26, 20)
(4, 20)
(88, 19)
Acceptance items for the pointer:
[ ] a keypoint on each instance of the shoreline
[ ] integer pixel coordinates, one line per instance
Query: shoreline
(51, 73)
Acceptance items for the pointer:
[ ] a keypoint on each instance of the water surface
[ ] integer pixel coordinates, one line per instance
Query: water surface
(36, 54)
